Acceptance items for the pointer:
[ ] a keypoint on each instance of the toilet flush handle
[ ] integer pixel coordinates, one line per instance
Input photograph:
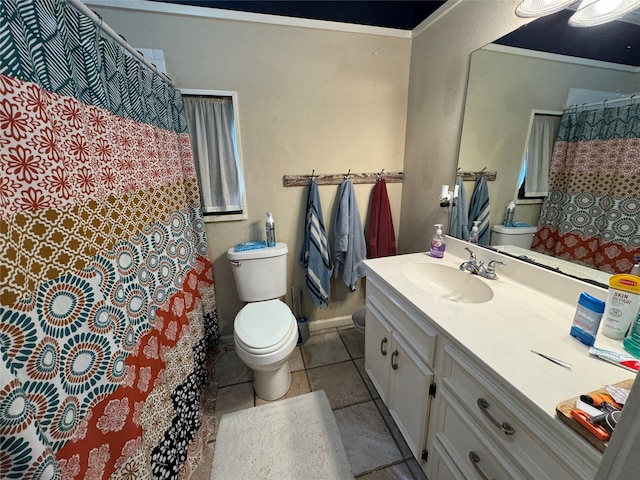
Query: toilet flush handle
(235, 263)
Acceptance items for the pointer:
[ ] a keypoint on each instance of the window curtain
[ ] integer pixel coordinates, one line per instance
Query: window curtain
(107, 302)
(544, 129)
(591, 214)
(211, 124)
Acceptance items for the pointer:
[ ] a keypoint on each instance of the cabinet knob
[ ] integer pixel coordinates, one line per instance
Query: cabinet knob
(394, 355)
(475, 461)
(504, 426)
(383, 343)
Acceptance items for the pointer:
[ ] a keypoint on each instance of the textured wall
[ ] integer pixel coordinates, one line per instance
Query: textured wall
(308, 99)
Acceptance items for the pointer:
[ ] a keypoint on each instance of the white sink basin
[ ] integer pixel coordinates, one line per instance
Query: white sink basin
(447, 282)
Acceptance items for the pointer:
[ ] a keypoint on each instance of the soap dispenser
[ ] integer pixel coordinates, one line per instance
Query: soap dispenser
(437, 243)
(473, 236)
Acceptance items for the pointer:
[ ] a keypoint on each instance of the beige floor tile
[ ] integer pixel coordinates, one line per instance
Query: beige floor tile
(351, 339)
(324, 349)
(295, 360)
(400, 471)
(234, 398)
(395, 431)
(230, 370)
(299, 386)
(366, 438)
(341, 382)
(367, 381)
(203, 472)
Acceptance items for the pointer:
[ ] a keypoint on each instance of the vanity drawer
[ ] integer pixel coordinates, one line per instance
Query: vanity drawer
(419, 336)
(466, 443)
(501, 418)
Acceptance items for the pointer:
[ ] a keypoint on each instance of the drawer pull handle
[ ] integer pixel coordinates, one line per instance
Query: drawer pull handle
(383, 350)
(504, 426)
(394, 355)
(475, 460)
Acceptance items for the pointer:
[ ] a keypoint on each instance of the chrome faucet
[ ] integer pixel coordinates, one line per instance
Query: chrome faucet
(477, 267)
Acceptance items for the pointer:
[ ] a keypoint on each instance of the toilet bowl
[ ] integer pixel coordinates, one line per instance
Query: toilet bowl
(265, 331)
(265, 334)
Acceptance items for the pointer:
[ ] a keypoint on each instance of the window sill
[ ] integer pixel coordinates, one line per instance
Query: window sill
(224, 218)
(531, 201)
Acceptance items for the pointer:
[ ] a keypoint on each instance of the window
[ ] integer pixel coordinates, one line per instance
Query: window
(533, 182)
(212, 117)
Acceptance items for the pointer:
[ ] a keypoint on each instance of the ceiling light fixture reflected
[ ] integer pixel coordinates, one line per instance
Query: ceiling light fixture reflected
(540, 8)
(597, 12)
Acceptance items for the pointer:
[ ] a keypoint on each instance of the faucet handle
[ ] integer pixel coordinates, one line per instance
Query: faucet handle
(472, 254)
(491, 268)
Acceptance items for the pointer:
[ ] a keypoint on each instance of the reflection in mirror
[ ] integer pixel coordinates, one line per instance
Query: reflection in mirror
(590, 216)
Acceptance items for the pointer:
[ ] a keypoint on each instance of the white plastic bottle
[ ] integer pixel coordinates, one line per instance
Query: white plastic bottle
(270, 225)
(473, 236)
(509, 213)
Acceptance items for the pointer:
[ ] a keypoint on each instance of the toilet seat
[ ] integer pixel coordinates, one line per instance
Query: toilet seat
(261, 328)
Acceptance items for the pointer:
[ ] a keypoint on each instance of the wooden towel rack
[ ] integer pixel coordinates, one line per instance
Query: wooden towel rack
(473, 176)
(338, 178)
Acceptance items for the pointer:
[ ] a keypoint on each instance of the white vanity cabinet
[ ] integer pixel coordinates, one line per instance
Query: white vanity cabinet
(460, 416)
(477, 426)
(397, 359)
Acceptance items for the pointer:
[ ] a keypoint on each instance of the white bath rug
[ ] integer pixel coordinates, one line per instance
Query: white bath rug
(296, 438)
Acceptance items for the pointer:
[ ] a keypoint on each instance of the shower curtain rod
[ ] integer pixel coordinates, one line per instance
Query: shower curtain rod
(604, 103)
(86, 11)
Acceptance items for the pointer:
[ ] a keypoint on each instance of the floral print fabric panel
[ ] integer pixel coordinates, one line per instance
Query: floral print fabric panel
(107, 302)
(591, 214)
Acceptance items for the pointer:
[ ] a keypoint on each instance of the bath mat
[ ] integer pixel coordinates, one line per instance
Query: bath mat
(296, 438)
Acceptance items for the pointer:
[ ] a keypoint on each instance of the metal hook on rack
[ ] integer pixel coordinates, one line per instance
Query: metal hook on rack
(346, 177)
(313, 174)
(379, 175)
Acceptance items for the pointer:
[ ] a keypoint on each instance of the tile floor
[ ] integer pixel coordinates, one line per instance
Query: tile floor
(331, 360)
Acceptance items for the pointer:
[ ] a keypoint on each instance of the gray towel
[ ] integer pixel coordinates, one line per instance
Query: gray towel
(479, 209)
(459, 226)
(350, 246)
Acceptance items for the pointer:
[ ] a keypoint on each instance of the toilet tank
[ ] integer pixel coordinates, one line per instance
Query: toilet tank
(518, 236)
(260, 274)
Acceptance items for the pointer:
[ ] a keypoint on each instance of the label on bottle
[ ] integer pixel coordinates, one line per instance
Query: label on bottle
(621, 310)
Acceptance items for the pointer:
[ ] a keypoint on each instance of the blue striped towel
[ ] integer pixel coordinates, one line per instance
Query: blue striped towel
(315, 255)
(459, 227)
(479, 209)
(350, 245)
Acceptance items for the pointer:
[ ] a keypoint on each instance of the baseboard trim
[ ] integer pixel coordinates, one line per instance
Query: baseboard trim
(322, 323)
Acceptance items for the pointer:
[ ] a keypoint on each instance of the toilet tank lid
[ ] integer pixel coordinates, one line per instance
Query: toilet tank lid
(514, 230)
(266, 252)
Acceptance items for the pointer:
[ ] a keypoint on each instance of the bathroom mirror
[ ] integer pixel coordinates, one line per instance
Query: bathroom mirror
(506, 84)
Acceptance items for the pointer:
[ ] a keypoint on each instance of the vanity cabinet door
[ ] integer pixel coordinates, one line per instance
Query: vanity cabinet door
(377, 353)
(409, 394)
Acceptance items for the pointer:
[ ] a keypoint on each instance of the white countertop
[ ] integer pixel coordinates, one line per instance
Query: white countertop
(519, 317)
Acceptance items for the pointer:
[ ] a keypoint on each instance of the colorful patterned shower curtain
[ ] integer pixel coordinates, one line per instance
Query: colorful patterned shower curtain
(107, 302)
(592, 211)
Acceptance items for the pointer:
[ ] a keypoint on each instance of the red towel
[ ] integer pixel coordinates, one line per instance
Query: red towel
(381, 240)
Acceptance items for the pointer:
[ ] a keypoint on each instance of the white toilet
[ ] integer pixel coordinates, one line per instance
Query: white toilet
(518, 236)
(265, 331)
